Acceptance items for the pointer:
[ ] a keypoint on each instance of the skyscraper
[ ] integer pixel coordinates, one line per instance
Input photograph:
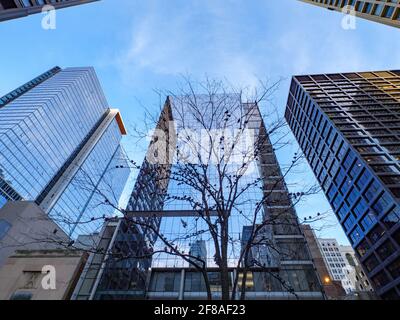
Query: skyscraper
(198, 249)
(382, 11)
(12, 9)
(348, 126)
(162, 202)
(60, 147)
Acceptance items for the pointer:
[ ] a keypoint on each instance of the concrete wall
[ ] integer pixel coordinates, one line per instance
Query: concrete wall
(22, 273)
(31, 229)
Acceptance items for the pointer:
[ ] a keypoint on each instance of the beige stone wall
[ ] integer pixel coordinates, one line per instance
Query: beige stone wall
(23, 273)
(31, 229)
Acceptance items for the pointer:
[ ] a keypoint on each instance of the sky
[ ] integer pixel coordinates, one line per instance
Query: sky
(138, 47)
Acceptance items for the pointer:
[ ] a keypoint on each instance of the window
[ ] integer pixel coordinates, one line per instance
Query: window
(215, 280)
(394, 268)
(396, 237)
(363, 180)
(348, 159)
(352, 196)
(388, 12)
(376, 233)
(368, 221)
(391, 295)
(391, 179)
(3, 200)
(21, 295)
(386, 250)
(290, 250)
(381, 279)
(8, 4)
(363, 248)
(396, 192)
(385, 168)
(371, 263)
(355, 169)
(382, 203)
(350, 260)
(392, 218)
(349, 222)
(356, 235)
(165, 281)
(4, 227)
(331, 192)
(372, 190)
(343, 210)
(339, 177)
(360, 208)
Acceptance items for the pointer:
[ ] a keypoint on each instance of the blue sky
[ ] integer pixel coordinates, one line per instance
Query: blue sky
(139, 46)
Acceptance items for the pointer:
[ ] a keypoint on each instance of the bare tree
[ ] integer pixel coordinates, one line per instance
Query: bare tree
(216, 152)
(212, 144)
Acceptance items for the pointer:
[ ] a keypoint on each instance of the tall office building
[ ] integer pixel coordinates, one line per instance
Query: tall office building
(122, 274)
(348, 126)
(12, 9)
(383, 11)
(60, 147)
(198, 250)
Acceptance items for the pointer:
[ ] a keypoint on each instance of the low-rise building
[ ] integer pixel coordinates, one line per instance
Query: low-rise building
(25, 226)
(338, 266)
(41, 274)
(332, 287)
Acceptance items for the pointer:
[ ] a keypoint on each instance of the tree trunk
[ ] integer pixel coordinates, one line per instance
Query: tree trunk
(243, 289)
(225, 281)
(207, 282)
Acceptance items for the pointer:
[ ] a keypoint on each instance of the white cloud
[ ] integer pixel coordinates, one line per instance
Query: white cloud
(245, 40)
(232, 40)
(186, 41)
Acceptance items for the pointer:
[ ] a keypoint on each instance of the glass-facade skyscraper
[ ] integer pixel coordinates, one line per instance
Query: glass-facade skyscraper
(382, 11)
(60, 147)
(121, 275)
(348, 126)
(12, 9)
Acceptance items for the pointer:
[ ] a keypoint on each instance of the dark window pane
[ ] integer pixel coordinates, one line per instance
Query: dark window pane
(386, 250)
(381, 279)
(362, 248)
(394, 268)
(21, 296)
(4, 227)
(396, 237)
(371, 263)
(391, 295)
(392, 218)
(376, 233)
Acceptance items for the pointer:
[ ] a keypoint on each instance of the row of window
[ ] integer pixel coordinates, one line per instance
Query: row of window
(357, 197)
